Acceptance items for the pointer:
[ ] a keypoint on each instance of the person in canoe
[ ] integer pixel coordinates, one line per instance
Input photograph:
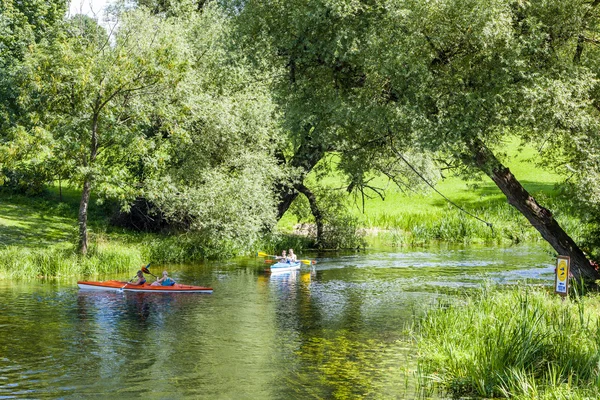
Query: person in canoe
(164, 281)
(291, 258)
(140, 279)
(282, 257)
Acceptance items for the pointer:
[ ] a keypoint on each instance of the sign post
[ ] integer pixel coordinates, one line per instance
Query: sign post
(561, 281)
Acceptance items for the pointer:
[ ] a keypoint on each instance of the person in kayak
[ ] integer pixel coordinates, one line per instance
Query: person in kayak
(282, 257)
(140, 279)
(291, 258)
(164, 281)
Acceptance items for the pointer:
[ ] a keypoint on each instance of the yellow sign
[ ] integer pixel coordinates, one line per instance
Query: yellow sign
(561, 283)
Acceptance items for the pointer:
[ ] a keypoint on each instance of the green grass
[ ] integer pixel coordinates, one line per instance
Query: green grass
(18, 262)
(515, 343)
(34, 223)
(418, 218)
(38, 238)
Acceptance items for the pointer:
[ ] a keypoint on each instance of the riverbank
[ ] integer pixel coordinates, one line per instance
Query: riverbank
(523, 343)
(38, 238)
(39, 234)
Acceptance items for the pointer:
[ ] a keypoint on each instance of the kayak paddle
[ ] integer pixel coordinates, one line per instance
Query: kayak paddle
(144, 270)
(147, 271)
(263, 254)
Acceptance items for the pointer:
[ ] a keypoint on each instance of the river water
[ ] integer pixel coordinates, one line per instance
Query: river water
(338, 330)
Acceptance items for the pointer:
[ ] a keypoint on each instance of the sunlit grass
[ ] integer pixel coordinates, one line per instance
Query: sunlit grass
(34, 223)
(516, 343)
(18, 262)
(409, 218)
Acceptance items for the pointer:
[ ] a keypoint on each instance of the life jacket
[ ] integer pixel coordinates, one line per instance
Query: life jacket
(168, 282)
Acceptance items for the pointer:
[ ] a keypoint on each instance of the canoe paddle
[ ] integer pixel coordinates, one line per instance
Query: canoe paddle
(263, 254)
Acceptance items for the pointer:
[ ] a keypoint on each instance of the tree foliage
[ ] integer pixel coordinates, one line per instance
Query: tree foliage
(22, 23)
(450, 76)
(217, 111)
(161, 108)
(221, 172)
(90, 97)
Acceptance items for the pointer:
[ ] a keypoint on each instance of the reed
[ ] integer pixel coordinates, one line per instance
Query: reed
(454, 226)
(521, 343)
(25, 263)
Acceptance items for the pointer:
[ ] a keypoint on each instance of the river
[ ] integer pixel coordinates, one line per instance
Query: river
(338, 330)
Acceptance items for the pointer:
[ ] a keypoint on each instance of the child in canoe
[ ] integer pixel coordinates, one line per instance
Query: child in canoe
(291, 258)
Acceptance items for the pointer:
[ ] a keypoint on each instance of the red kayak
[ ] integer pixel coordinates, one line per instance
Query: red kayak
(127, 287)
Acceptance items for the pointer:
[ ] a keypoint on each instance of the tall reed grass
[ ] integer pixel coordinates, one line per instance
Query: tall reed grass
(22, 263)
(125, 253)
(516, 343)
(454, 226)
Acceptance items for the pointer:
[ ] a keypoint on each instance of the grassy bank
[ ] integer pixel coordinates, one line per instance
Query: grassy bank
(409, 218)
(38, 237)
(517, 343)
(18, 262)
(40, 233)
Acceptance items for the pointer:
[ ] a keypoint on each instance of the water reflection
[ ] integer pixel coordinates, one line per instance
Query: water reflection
(334, 330)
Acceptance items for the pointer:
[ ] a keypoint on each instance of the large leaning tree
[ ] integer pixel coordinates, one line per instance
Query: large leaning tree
(89, 97)
(489, 69)
(456, 77)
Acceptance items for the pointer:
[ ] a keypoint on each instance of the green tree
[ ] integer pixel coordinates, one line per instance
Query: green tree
(177, 8)
(492, 69)
(313, 51)
(22, 23)
(221, 170)
(90, 96)
(453, 77)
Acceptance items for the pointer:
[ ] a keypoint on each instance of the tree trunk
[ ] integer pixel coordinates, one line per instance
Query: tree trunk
(83, 208)
(304, 160)
(87, 187)
(539, 217)
(316, 212)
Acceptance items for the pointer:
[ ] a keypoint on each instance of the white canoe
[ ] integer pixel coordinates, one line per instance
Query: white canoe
(284, 267)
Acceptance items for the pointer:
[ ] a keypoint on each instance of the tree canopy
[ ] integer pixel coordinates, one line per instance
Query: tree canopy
(216, 111)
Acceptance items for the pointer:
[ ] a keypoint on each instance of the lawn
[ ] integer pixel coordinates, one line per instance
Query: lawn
(34, 222)
(427, 215)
